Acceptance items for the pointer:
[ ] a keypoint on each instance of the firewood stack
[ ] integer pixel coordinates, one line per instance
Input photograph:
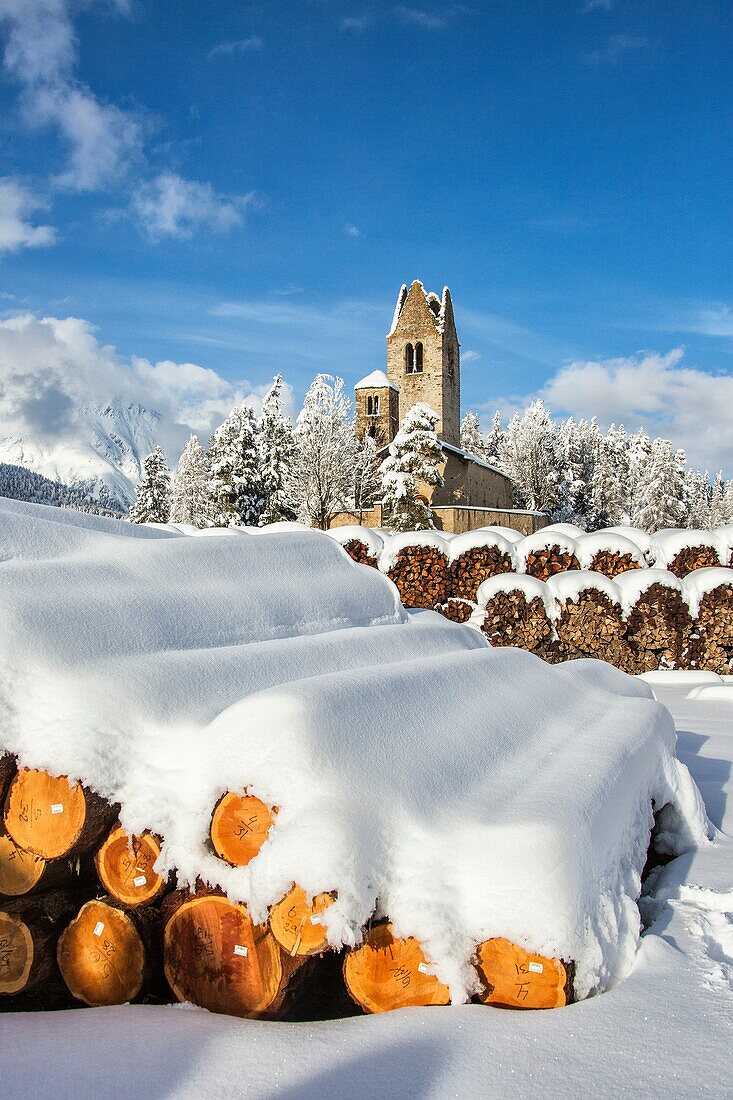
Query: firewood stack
(422, 575)
(591, 625)
(360, 552)
(475, 565)
(690, 558)
(712, 648)
(546, 561)
(659, 627)
(611, 563)
(512, 619)
(458, 611)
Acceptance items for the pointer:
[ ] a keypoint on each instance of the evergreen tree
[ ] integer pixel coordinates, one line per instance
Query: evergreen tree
(153, 492)
(276, 451)
(531, 455)
(580, 445)
(415, 456)
(235, 484)
(190, 498)
(322, 481)
(610, 486)
(471, 438)
(367, 478)
(721, 502)
(657, 478)
(697, 499)
(494, 440)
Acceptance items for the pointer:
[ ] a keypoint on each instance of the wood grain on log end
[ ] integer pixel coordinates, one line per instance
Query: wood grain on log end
(240, 825)
(386, 973)
(516, 978)
(295, 924)
(101, 955)
(125, 867)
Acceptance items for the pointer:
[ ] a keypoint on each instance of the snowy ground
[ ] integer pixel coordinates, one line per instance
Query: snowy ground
(666, 1031)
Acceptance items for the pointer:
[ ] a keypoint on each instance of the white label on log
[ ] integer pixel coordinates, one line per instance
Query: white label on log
(423, 968)
(98, 928)
(536, 968)
(316, 918)
(57, 808)
(139, 881)
(240, 950)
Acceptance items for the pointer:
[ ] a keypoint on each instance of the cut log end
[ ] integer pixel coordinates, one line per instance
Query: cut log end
(125, 868)
(16, 954)
(239, 827)
(20, 871)
(44, 814)
(385, 973)
(101, 956)
(295, 923)
(516, 978)
(215, 957)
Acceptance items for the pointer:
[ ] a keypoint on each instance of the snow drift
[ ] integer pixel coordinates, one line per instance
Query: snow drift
(466, 792)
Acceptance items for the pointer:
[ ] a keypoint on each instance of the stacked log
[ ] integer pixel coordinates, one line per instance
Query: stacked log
(104, 954)
(611, 563)
(590, 624)
(712, 646)
(360, 552)
(240, 825)
(386, 972)
(29, 930)
(458, 611)
(516, 612)
(296, 922)
(125, 865)
(422, 575)
(659, 626)
(51, 817)
(545, 563)
(475, 558)
(691, 558)
(515, 978)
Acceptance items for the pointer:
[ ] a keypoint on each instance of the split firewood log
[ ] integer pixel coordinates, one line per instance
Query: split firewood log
(360, 552)
(29, 931)
(422, 575)
(105, 953)
(660, 624)
(513, 620)
(240, 825)
(691, 558)
(216, 957)
(548, 561)
(458, 611)
(515, 978)
(51, 817)
(589, 621)
(125, 867)
(474, 566)
(708, 656)
(715, 615)
(296, 924)
(612, 564)
(386, 972)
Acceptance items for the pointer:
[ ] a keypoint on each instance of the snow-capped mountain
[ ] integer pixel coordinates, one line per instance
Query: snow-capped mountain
(106, 448)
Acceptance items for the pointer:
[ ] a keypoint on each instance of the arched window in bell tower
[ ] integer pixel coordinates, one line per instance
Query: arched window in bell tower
(418, 358)
(409, 359)
(376, 406)
(369, 406)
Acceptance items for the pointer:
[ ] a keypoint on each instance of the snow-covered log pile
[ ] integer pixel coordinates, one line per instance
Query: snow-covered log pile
(514, 610)
(475, 556)
(709, 593)
(608, 553)
(362, 544)
(547, 552)
(684, 551)
(658, 619)
(588, 618)
(248, 733)
(419, 564)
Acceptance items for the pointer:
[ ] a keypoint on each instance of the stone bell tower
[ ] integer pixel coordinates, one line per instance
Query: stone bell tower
(423, 357)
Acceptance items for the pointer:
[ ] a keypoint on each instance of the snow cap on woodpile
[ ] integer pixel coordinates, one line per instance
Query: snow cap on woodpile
(353, 531)
(636, 582)
(597, 541)
(569, 529)
(469, 540)
(640, 538)
(702, 581)
(531, 588)
(401, 540)
(571, 585)
(507, 533)
(666, 545)
(542, 540)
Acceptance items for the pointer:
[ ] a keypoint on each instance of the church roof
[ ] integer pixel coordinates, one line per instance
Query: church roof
(441, 308)
(376, 380)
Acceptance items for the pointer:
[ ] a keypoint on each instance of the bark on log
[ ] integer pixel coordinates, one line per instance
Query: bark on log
(8, 768)
(125, 867)
(359, 551)
(216, 957)
(548, 561)
(476, 565)
(511, 620)
(422, 575)
(102, 954)
(386, 973)
(240, 825)
(693, 557)
(29, 930)
(51, 817)
(611, 563)
(515, 978)
(295, 924)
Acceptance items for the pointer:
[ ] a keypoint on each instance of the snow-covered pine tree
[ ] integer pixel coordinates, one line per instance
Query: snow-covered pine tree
(494, 440)
(234, 477)
(153, 492)
(415, 455)
(721, 502)
(471, 438)
(322, 481)
(276, 450)
(697, 499)
(580, 444)
(367, 478)
(530, 453)
(657, 478)
(190, 497)
(611, 479)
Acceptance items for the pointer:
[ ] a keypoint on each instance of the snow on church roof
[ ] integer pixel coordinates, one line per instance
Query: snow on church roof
(376, 380)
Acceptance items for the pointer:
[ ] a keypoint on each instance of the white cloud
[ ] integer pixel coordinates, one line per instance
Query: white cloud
(614, 48)
(352, 230)
(355, 22)
(658, 392)
(596, 5)
(50, 368)
(416, 17)
(241, 45)
(469, 356)
(170, 206)
(16, 231)
(41, 45)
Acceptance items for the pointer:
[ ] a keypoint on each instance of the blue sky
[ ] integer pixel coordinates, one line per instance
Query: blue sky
(245, 187)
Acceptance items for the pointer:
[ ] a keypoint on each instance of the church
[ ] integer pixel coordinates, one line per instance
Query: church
(424, 365)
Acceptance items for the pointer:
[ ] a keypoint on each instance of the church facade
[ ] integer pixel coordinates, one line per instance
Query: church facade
(423, 365)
